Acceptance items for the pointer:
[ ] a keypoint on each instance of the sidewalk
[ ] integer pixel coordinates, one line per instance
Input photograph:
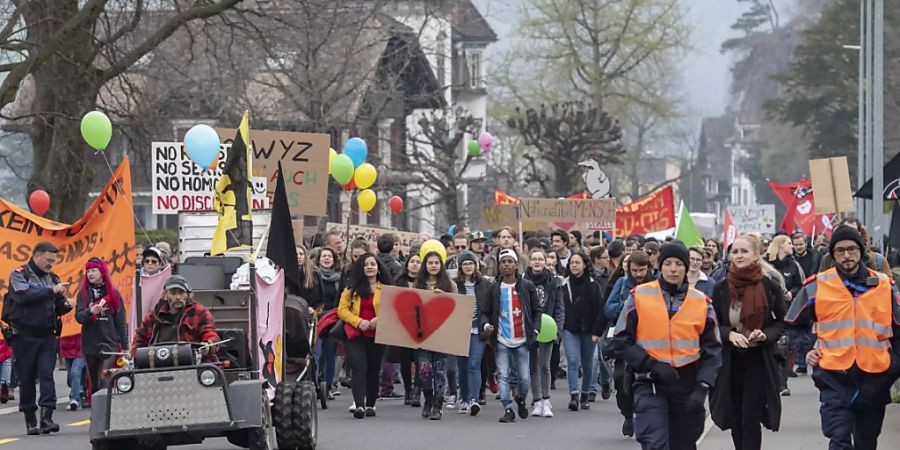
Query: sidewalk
(62, 394)
(800, 423)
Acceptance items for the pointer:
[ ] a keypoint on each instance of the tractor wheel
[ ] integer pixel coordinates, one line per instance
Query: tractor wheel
(100, 445)
(305, 416)
(264, 437)
(282, 410)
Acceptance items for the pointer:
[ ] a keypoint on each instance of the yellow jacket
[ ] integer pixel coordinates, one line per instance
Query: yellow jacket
(348, 310)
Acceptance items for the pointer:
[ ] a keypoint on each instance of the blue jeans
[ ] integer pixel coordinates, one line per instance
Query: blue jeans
(327, 351)
(579, 348)
(6, 372)
(520, 357)
(470, 385)
(599, 367)
(76, 370)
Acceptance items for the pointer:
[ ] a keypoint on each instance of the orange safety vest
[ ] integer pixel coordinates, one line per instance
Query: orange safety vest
(853, 330)
(676, 340)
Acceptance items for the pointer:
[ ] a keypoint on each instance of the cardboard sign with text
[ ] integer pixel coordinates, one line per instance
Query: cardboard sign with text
(599, 214)
(370, 234)
(753, 219)
(304, 158)
(499, 216)
(416, 318)
(831, 183)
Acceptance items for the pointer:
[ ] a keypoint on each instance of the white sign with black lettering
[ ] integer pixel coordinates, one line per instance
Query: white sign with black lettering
(181, 185)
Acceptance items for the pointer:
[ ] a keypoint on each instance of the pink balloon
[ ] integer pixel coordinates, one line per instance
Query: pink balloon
(486, 140)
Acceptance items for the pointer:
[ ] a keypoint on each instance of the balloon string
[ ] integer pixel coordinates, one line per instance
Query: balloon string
(119, 186)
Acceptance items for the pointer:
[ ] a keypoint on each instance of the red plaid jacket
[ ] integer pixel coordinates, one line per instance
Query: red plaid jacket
(197, 325)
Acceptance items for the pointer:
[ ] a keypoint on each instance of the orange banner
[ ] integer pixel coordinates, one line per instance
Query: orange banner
(502, 198)
(655, 212)
(106, 230)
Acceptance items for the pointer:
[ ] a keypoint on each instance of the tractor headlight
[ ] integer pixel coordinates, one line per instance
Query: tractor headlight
(124, 384)
(207, 377)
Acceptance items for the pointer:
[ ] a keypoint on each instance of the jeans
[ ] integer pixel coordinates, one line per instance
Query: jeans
(35, 360)
(365, 358)
(579, 351)
(471, 388)
(328, 353)
(432, 373)
(75, 368)
(6, 372)
(540, 370)
(505, 357)
(601, 368)
(800, 343)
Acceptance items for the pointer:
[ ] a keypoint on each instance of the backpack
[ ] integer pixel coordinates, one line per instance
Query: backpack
(11, 309)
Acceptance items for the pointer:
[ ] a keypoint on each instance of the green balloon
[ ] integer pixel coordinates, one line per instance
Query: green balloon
(548, 329)
(342, 169)
(96, 129)
(474, 148)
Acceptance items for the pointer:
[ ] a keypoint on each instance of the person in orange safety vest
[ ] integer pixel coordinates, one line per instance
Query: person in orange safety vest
(667, 332)
(854, 312)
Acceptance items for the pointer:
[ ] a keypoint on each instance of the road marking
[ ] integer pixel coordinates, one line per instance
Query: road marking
(8, 440)
(80, 424)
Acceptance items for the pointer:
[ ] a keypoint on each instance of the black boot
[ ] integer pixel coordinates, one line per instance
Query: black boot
(407, 397)
(415, 398)
(573, 403)
(584, 402)
(31, 423)
(47, 423)
(436, 409)
(426, 407)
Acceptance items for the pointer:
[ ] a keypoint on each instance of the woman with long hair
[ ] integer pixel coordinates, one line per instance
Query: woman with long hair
(406, 357)
(548, 297)
(102, 317)
(433, 365)
(469, 281)
(750, 310)
(328, 271)
(780, 255)
(309, 281)
(358, 309)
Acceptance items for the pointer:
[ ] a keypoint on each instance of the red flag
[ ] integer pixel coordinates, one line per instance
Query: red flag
(800, 202)
(502, 198)
(730, 230)
(655, 212)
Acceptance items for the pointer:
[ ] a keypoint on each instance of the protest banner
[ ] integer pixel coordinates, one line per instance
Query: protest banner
(106, 230)
(750, 219)
(504, 215)
(831, 183)
(597, 214)
(304, 159)
(178, 184)
(270, 326)
(655, 212)
(369, 234)
(416, 318)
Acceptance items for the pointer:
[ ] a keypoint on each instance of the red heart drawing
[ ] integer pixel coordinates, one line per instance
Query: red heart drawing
(421, 321)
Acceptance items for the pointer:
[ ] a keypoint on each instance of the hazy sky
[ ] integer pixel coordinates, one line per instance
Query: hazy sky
(705, 72)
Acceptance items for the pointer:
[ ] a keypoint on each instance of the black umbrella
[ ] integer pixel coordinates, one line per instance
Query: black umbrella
(891, 181)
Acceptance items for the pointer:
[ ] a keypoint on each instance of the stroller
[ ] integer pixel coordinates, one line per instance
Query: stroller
(301, 340)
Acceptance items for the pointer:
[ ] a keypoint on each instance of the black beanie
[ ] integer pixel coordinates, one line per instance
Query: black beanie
(674, 250)
(845, 233)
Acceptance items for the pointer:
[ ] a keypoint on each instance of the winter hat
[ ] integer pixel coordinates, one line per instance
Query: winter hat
(674, 250)
(845, 233)
(508, 253)
(466, 256)
(177, 282)
(154, 252)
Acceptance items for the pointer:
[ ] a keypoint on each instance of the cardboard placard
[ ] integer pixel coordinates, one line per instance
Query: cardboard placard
(750, 219)
(600, 213)
(304, 158)
(831, 184)
(370, 234)
(499, 216)
(416, 318)
(180, 185)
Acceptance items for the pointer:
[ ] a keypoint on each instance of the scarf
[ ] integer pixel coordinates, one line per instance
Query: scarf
(329, 275)
(580, 287)
(745, 286)
(539, 279)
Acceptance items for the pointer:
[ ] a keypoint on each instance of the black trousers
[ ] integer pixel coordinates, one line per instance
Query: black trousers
(95, 365)
(748, 396)
(365, 358)
(624, 389)
(849, 429)
(35, 360)
(661, 422)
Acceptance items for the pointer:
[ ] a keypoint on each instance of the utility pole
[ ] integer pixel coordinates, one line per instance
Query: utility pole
(871, 116)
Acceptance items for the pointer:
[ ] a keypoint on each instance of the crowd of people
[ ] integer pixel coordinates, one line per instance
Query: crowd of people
(664, 327)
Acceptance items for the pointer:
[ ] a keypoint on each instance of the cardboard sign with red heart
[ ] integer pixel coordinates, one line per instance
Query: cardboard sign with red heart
(416, 318)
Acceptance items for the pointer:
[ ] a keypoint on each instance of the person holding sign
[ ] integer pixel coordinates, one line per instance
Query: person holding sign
(513, 321)
(358, 309)
(433, 365)
(406, 357)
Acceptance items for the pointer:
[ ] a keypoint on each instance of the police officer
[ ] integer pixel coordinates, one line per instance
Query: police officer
(667, 332)
(36, 300)
(855, 314)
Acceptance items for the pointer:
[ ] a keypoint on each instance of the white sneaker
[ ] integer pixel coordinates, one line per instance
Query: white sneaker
(463, 407)
(548, 408)
(352, 408)
(538, 409)
(451, 402)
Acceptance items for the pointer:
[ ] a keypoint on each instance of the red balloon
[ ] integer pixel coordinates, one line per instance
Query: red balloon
(39, 202)
(349, 186)
(396, 204)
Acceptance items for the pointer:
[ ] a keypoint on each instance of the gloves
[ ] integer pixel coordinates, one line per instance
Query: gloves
(663, 372)
(697, 399)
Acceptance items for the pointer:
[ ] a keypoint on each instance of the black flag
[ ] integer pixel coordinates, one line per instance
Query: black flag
(281, 248)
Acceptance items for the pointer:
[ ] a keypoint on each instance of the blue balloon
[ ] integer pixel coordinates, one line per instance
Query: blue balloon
(452, 230)
(202, 145)
(356, 149)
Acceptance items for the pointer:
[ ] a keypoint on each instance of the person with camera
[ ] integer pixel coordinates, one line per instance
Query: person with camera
(35, 301)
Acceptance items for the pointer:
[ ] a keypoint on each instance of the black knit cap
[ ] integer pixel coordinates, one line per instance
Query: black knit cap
(676, 249)
(845, 233)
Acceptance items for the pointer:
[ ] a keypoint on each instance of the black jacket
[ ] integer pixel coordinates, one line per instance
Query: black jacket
(330, 293)
(528, 297)
(36, 307)
(550, 299)
(483, 287)
(101, 334)
(792, 272)
(808, 262)
(584, 315)
(721, 401)
(394, 268)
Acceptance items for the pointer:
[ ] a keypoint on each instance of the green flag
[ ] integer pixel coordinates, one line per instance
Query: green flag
(686, 231)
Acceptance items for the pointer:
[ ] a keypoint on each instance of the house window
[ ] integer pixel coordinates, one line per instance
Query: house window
(474, 67)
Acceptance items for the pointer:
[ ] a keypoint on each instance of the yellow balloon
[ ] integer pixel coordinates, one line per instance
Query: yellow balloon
(331, 155)
(433, 245)
(365, 176)
(366, 200)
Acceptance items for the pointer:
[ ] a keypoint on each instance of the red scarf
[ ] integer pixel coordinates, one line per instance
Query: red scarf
(745, 286)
